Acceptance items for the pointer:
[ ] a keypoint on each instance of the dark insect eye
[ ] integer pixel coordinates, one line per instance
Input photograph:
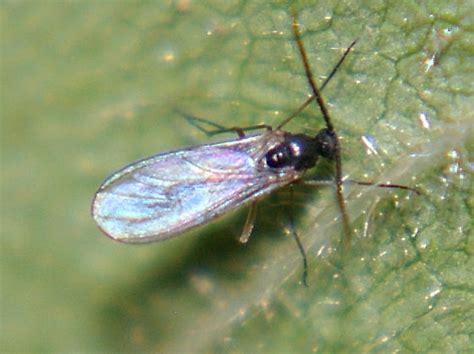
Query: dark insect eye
(326, 143)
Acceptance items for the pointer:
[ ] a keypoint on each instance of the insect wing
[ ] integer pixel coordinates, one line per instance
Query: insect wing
(162, 196)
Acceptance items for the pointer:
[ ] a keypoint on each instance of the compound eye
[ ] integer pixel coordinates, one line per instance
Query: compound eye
(326, 143)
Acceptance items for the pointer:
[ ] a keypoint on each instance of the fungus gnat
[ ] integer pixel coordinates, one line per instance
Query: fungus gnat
(167, 194)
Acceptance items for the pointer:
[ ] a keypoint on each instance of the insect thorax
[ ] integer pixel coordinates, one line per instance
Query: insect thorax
(299, 151)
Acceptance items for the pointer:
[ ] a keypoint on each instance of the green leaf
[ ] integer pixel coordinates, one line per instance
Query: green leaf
(88, 87)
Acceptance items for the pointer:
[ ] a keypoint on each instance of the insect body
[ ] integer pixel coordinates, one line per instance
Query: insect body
(167, 194)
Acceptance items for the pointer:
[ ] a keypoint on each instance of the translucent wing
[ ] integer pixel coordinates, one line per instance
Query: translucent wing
(162, 196)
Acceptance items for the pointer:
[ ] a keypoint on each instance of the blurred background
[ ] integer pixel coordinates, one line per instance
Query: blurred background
(88, 87)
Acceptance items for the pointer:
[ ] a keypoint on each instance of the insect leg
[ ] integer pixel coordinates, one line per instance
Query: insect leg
(215, 128)
(241, 131)
(315, 182)
(318, 183)
(249, 223)
(298, 243)
(384, 185)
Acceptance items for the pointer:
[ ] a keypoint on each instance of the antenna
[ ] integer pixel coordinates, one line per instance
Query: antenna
(337, 156)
